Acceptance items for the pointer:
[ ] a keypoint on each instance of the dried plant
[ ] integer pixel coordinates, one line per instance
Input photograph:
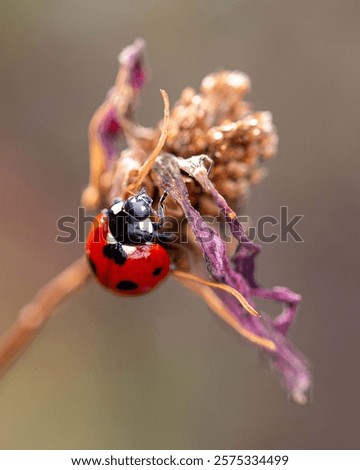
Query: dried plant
(206, 153)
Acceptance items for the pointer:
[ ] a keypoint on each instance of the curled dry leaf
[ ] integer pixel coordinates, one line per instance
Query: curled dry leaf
(239, 273)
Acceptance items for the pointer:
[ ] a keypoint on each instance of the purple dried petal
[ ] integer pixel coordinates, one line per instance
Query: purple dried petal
(110, 132)
(244, 263)
(132, 58)
(284, 295)
(138, 75)
(289, 363)
(247, 250)
(121, 99)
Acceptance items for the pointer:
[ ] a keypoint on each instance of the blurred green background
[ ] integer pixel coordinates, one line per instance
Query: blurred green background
(162, 371)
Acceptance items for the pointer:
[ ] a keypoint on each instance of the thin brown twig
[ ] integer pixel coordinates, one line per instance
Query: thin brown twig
(241, 299)
(146, 167)
(34, 315)
(218, 307)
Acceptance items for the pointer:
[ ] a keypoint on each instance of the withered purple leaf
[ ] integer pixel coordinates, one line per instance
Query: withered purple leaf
(239, 273)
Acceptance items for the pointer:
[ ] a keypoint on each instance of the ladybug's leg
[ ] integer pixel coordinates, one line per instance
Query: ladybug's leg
(162, 209)
(161, 213)
(164, 237)
(138, 236)
(116, 252)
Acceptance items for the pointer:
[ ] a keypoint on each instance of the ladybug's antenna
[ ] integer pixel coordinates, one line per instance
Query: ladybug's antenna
(226, 288)
(146, 167)
(130, 192)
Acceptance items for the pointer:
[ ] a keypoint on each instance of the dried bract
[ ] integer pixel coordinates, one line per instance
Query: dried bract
(219, 123)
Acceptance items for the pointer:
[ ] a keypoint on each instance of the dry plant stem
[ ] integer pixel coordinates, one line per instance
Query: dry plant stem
(144, 170)
(35, 314)
(215, 304)
(217, 285)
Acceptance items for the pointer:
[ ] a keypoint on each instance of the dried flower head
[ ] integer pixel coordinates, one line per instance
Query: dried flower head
(205, 153)
(219, 123)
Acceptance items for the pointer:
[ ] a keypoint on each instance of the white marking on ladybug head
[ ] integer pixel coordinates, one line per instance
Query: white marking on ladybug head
(146, 225)
(117, 207)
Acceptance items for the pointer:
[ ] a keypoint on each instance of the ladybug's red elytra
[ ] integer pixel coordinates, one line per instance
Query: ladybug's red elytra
(124, 247)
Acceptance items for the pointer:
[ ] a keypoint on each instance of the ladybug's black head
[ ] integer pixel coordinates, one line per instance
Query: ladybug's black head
(139, 206)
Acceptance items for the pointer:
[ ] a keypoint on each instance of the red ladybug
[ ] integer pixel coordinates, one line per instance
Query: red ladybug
(123, 246)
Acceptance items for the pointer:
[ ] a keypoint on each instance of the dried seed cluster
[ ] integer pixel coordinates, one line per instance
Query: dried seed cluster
(218, 122)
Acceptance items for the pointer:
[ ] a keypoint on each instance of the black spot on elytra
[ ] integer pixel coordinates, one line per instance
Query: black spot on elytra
(92, 266)
(107, 251)
(115, 252)
(127, 285)
(157, 271)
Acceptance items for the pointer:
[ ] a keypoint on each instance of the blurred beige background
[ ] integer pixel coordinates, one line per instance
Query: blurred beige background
(162, 371)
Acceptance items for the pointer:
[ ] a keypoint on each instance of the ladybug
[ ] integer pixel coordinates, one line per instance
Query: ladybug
(125, 248)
